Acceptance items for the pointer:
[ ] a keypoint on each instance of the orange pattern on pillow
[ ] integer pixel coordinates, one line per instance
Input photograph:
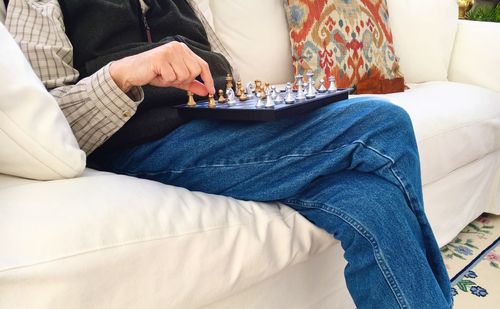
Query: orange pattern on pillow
(348, 39)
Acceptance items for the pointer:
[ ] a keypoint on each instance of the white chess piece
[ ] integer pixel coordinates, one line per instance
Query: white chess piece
(300, 88)
(270, 100)
(289, 98)
(332, 87)
(274, 93)
(259, 103)
(310, 90)
(322, 88)
(231, 96)
(250, 90)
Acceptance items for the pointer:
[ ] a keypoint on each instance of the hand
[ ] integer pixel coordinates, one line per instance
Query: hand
(170, 65)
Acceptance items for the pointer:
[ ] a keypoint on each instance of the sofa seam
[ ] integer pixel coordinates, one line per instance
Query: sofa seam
(466, 125)
(136, 242)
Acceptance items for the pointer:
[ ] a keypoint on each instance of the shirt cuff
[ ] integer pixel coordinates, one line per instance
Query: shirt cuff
(115, 104)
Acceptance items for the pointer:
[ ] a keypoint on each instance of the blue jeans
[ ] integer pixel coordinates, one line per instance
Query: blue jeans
(351, 168)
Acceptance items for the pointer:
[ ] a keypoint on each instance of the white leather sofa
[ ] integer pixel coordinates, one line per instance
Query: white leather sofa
(108, 241)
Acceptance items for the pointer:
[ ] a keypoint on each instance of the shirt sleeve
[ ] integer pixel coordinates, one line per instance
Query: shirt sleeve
(95, 107)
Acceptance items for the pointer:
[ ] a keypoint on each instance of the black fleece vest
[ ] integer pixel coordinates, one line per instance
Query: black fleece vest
(105, 30)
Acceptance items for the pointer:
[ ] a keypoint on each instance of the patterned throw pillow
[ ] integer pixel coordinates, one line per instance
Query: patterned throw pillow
(348, 39)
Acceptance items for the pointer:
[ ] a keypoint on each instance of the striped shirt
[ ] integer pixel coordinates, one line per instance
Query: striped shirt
(94, 106)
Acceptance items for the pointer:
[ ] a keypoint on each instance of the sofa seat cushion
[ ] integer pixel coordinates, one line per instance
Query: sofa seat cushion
(455, 124)
(120, 234)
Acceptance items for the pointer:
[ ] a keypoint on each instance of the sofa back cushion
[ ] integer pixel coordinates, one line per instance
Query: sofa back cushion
(36, 141)
(424, 35)
(476, 55)
(255, 33)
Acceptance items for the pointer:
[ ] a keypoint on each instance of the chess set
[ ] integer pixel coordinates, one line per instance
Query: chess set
(261, 102)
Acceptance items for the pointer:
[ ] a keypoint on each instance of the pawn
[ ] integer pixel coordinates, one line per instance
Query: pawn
(269, 101)
(243, 96)
(211, 101)
(311, 91)
(332, 87)
(279, 99)
(260, 102)
(289, 99)
(222, 100)
(191, 102)
(322, 88)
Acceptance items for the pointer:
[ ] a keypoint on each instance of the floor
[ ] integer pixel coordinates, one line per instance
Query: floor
(473, 263)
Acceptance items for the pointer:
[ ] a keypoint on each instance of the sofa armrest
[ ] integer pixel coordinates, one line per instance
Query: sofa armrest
(476, 55)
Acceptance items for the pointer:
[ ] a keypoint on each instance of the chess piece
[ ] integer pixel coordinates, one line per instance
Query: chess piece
(250, 89)
(231, 97)
(258, 86)
(274, 93)
(191, 102)
(238, 89)
(332, 87)
(243, 96)
(322, 88)
(229, 81)
(289, 99)
(211, 101)
(279, 99)
(269, 101)
(311, 90)
(266, 87)
(305, 87)
(222, 100)
(300, 88)
(260, 102)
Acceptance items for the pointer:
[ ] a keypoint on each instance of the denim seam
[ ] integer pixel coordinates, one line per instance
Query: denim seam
(365, 233)
(288, 156)
(404, 185)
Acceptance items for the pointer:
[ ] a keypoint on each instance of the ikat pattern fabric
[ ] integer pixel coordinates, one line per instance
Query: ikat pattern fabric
(349, 39)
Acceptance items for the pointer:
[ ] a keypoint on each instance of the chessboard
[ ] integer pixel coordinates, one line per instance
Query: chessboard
(251, 110)
(261, 102)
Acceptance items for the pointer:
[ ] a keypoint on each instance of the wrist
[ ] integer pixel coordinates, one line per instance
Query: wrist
(119, 73)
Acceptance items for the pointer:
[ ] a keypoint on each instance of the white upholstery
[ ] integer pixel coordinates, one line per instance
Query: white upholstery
(424, 33)
(455, 124)
(256, 35)
(204, 6)
(110, 241)
(36, 139)
(476, 56)
(104, 234)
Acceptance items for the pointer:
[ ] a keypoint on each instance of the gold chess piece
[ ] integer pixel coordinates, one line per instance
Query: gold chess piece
(238, 88)
(191, 102)
(243, 96)
(211, 101)
(222, 100)
(229, 81)
(258, 87)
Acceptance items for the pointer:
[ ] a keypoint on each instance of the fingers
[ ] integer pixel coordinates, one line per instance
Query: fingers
(205, 73)
(180, 67)
(198, 88)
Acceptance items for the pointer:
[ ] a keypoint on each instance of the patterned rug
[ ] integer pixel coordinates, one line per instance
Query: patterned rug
(473, 263)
